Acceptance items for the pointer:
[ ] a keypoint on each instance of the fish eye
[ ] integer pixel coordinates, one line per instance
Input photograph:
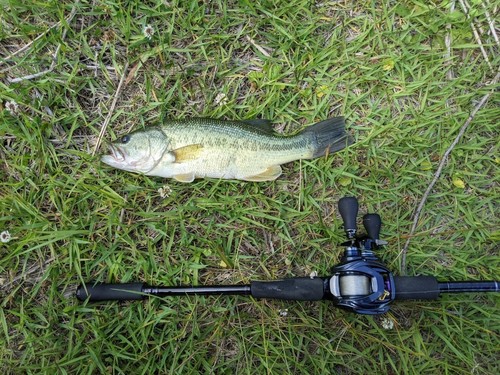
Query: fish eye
(125, 139)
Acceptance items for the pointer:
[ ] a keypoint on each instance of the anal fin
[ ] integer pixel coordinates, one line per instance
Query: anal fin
(270, 174)
(184, 177)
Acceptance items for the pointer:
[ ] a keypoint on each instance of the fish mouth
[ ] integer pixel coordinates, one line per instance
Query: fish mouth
(117, 153)
(116, 156)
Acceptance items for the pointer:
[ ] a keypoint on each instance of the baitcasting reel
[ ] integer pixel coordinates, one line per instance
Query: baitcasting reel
(361, 283)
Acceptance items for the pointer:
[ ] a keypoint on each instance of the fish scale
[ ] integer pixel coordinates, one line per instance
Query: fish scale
(219, 133)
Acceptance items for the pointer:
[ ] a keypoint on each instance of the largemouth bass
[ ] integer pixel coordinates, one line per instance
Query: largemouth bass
(244, 150)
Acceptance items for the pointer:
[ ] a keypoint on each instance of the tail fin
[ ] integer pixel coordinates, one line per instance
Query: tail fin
(328, 136)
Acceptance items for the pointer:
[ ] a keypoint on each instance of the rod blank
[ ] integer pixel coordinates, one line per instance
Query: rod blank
(468, 286)
(162, 291)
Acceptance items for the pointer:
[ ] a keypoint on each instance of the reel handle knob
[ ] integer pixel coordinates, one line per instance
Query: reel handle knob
(372, 224)
(348, 208)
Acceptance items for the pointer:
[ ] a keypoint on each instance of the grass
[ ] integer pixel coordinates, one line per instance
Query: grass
(384, 66)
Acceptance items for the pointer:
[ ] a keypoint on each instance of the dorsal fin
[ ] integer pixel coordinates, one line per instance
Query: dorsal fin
(261, 123)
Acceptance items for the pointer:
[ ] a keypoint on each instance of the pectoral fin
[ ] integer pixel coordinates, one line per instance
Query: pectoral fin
(190, 152)
(270, 174)
(185, 177)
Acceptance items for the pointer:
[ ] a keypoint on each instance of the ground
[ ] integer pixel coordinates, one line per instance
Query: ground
(415, 82)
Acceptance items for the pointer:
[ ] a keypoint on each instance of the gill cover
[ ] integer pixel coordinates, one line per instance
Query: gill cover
(139, 151)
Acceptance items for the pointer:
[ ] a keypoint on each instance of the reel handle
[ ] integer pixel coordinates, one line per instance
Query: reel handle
(348, 208)
(372, 224)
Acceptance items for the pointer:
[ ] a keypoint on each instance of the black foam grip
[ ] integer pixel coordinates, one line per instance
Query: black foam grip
(297, 289)
(416, 287)
(110, 292)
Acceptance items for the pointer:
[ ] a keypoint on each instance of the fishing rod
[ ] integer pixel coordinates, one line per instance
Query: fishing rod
(360, 283)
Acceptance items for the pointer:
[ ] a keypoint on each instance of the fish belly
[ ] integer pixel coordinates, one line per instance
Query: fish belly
(228, 164)
(209, 163)
(225, 164)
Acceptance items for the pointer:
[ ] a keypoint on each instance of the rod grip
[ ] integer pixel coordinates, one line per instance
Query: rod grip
(294, 289)
(416, 287)
(110, 292)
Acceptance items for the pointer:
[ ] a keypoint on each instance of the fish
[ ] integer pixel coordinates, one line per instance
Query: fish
(248, 150)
